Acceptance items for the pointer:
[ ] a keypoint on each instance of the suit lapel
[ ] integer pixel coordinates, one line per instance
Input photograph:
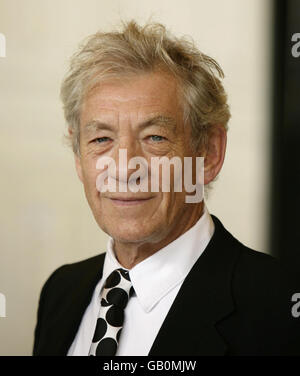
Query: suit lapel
(75, 305)
(203, 300)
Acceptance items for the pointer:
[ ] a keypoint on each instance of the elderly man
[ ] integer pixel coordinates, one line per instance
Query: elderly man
(173, 280)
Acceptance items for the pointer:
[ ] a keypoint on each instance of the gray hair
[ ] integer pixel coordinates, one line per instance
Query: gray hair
(137, 49)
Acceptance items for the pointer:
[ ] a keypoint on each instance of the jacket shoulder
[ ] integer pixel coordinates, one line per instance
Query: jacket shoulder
(68, 289)
(251, 267)
(260, 271)
(70, 273)
(261, 291)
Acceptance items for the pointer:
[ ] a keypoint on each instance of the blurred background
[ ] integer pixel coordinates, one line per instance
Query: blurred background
(45, 220)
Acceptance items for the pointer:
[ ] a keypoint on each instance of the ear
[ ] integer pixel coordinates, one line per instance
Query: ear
(215, 152)
(77, 160)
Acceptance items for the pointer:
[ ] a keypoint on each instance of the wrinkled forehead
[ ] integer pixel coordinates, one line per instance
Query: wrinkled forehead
(143, 96)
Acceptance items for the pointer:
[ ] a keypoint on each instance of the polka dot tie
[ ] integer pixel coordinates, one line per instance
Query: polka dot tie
(114, 298)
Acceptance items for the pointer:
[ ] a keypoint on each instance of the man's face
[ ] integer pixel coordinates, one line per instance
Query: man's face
(143, 115)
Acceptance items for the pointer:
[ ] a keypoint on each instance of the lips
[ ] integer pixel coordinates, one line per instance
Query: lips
(129, 200)
(127, 197)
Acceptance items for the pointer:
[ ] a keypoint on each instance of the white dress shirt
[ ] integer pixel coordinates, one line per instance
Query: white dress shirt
(156, 281)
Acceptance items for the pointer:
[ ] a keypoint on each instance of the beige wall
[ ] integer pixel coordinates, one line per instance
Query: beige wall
(45, 220)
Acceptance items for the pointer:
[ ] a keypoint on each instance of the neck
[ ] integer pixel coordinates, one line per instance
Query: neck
(130, 254)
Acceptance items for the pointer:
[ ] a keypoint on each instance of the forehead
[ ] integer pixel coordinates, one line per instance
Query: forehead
(135, 96)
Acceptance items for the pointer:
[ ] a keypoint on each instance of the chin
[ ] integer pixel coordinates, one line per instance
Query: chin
(132, 233)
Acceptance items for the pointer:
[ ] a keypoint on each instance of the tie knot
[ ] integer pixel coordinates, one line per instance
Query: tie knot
(116, 277)
(117, 289)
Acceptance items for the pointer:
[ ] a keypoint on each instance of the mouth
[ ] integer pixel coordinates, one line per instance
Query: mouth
(129, 201)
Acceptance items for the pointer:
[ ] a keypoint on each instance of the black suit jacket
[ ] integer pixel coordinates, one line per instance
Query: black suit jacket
(234, 301)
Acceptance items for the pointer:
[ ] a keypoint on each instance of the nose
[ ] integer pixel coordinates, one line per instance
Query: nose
(128, 158)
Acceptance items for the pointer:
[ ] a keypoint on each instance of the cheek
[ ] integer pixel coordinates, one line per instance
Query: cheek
(171, 203)
(89, 175)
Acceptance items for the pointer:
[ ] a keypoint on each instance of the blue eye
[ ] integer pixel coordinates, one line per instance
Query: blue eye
(157, 138)
(100, 140)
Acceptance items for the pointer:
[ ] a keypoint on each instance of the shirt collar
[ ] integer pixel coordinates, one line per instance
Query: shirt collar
(158, 274)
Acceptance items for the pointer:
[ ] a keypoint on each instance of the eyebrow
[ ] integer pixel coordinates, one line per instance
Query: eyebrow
(169, 122)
